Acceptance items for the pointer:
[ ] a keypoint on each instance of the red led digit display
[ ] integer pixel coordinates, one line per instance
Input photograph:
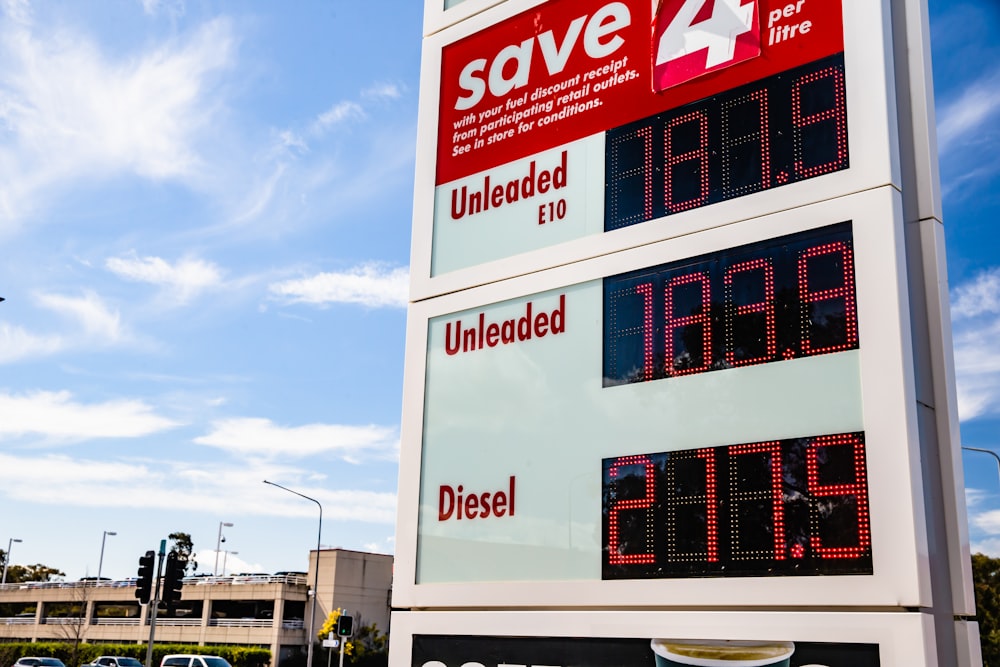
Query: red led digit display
(782, 129)
(779, 299)
(784, 507)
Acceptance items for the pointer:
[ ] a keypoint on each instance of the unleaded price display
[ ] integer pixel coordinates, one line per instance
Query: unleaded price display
(780, 299)
(783, 129)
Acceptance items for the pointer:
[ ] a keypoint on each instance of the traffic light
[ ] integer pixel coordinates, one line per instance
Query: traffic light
(173, 578)
(345, 625)
(144, 585)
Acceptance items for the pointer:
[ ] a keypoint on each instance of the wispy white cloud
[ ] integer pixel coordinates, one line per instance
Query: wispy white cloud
(976, 321)
(17, 344)
(60, 480)
(988, 522)
(226, 561)
(56, 416)
(338, 113)
(91, 323)
(72, 114)
(173, 8)
(382, 91)
(979, 297)
(296, 141)
(989, 547)
(300, 171)
(263, 438)
(964, 116)
(97, 320)
(977, 367)
(974, 497)
(371, 285)
(19, 11)
(184, 279)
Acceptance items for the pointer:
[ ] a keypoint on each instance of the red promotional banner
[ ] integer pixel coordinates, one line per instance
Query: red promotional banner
(572, 68)
(694, 37)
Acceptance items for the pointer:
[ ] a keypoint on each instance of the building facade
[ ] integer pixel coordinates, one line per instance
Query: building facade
(270, 611)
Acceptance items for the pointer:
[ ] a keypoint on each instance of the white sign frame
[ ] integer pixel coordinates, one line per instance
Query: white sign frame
(903, 638)
(899, 545)
(873, 145)
(437, 17)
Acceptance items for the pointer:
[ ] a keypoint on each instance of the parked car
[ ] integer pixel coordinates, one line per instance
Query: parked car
(183, 660)
(39, 662)
(114, 661)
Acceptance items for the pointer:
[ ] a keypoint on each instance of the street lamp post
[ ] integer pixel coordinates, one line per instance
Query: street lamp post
(218, 544)
(100, 563)
(319, 537)
(985, 451)
(6, 561)
(225, 557)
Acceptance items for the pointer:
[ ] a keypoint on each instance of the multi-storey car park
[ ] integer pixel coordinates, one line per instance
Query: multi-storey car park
(266, 610)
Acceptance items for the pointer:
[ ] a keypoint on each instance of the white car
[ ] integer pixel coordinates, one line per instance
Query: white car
(185, 660)
(39, 662)
(114, 661)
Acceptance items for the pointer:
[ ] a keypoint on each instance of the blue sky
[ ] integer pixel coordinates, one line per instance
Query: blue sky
(205, 228)
(967, 89)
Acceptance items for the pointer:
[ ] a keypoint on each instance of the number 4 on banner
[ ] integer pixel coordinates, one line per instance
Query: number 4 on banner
(695, 37)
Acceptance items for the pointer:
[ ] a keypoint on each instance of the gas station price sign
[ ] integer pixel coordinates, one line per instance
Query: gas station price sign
(724, 421)
(551, 128)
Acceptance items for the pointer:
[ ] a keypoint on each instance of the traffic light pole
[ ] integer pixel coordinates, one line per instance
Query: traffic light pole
(154, 604)
(345, 628)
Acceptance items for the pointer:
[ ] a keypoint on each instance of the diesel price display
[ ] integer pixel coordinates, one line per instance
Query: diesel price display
(784, 507)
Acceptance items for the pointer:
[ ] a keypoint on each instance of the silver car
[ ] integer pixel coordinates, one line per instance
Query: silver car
(39, 662)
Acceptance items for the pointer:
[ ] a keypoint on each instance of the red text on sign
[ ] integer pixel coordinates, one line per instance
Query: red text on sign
(455, 502)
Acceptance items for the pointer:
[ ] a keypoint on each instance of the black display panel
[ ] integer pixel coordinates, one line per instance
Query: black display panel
(776, 508)
(486, 651)
(784, 298)
(783, 129)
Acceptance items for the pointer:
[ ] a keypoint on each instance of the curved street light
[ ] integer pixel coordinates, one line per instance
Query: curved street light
(225, 557)
(100, 563)
(985, 451)
(319, 537)
(218, 544)
(6, 560)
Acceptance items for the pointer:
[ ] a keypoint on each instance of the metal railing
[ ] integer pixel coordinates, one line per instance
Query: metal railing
(117, 620)
(293, 624)
(240, 622)
(289, 579)
(188, 622)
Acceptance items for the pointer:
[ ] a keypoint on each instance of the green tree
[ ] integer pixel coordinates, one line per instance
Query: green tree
(184, 548)
(37, 572)
(367, 648)
(986, 580)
